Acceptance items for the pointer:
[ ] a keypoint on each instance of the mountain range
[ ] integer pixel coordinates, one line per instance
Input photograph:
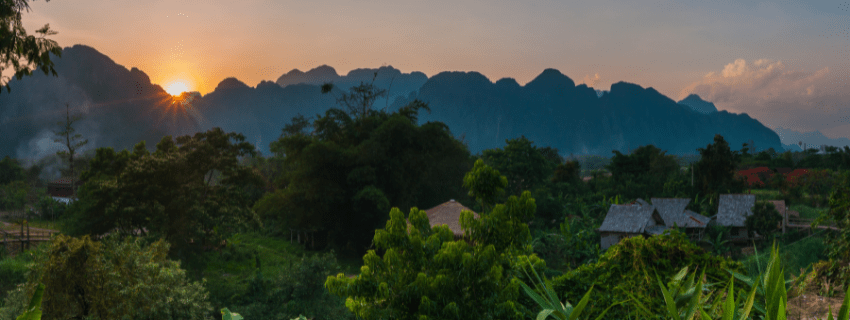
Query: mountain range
(122, 107)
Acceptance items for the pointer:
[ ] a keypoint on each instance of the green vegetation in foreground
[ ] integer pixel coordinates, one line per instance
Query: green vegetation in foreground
(264, 277)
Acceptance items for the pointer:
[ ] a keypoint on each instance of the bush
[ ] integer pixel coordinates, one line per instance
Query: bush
(628, 269)
(292, 292)
(112, 279)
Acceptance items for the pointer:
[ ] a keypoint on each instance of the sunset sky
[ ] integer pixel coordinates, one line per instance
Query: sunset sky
(783, 62)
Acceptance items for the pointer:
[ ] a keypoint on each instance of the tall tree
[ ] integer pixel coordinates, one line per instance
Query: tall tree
(343, 173)
(643, 173)
(525, 165)
(10, 170)
(715, 171)
(72, 141)
(23, 53)
(190, 191)
(425, 274)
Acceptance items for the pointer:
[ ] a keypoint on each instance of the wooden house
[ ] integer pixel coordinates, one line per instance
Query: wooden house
(61, 190)
(673, 212)
(732, 212)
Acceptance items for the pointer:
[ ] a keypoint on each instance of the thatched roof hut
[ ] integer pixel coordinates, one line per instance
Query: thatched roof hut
(672, 211)
(734, 209)
(630, 218)
(448, 214)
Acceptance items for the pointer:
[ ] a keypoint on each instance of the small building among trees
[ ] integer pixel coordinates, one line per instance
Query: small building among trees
(673, 212)
(448, 213)
(629, 220)
(61, 189)
(732, 212)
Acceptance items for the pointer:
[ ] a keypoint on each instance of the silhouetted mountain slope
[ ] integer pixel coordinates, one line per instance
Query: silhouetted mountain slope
(695, 103)
(396, 83)
(121, 107)
(552, 111)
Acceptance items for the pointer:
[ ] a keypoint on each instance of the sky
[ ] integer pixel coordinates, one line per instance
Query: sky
(785, 63)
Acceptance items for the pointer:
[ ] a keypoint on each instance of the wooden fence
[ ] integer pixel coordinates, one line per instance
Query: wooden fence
(18, 240)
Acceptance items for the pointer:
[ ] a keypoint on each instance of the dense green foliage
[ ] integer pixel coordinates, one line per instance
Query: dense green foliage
(21, 52)
(343, 175)
(765, 219)
(425, 274)
(643, 173)
(263, 277)
(523, 164)
(628, 269)
(113, 279)
(10, 170)
(189, 191)
(715, 172)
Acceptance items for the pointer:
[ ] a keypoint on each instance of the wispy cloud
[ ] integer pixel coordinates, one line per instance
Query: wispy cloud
(779, 96)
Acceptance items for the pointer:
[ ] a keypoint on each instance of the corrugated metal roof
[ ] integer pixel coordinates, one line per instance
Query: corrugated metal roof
(628, 218)
(734, 209)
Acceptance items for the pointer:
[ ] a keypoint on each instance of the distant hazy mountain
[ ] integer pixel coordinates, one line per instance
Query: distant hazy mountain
(121, 107)
(813, 139)
(552, 111)
(697, 104)
(396, 83)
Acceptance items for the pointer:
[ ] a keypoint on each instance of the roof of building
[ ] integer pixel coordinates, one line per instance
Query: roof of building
(696, 220)
(633, 218)
(448, 213)
(672, 211)
(65, 181)
(734, 209)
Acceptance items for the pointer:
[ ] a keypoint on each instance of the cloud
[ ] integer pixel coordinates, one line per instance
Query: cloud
(778, 96)
(591, 81)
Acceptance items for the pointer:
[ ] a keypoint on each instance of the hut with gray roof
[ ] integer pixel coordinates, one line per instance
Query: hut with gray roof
(629, 220)
(732, 212)
(673, 212)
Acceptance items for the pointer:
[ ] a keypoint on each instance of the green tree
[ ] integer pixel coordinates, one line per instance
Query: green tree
(10, 170)
(23, 53)
(643, 173)
(838, 243)
(765, 219)
(189, 191)
(525, 165)
(113, 279)
(715, 171)
(70, 140)
(425, 274)
(343, 172)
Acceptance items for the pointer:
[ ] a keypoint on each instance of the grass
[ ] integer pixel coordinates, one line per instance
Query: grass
(807, 212)
(232, 268)
(766, 194)
(794, 256)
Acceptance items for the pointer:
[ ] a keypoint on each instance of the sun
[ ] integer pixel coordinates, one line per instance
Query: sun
(176, 87)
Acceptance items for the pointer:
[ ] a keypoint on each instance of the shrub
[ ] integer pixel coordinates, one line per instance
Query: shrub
(628, 269)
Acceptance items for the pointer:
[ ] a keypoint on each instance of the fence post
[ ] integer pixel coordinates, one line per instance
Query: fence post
(28, 235)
